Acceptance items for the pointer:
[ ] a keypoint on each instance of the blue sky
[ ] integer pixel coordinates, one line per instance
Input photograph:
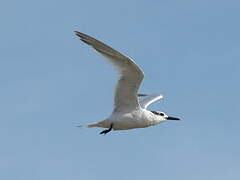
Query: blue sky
(50, 82)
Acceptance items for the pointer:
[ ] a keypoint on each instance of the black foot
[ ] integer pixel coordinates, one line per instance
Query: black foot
(107, 130)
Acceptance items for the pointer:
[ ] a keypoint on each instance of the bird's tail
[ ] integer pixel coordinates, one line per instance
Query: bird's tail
(97, 124)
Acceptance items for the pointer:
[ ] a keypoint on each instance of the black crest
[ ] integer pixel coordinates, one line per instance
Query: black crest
(158, 113)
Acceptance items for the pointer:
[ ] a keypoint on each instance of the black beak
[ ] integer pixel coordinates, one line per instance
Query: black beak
(172, 118)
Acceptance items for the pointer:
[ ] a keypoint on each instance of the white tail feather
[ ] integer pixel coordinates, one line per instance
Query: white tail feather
(90, 125)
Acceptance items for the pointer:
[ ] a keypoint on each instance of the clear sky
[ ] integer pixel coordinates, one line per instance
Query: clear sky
(50, 82)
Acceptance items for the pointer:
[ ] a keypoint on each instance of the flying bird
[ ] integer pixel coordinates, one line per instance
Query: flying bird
(130, 108)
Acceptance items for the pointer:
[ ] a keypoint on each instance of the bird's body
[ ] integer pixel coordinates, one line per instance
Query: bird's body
(138, 118)
(130, 109)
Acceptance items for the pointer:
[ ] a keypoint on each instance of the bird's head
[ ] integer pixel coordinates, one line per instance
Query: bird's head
(163, 117)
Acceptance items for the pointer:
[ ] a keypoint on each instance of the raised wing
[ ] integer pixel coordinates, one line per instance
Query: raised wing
(146, 100)
(130, 75)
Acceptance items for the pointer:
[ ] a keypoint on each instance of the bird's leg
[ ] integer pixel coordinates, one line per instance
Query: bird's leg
(107, 130)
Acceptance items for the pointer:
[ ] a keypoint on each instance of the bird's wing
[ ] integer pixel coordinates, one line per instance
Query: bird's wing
(130, 75)
(146, 100)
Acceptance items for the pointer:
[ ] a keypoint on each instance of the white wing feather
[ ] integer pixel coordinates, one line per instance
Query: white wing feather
(130, 75)
(146, 100)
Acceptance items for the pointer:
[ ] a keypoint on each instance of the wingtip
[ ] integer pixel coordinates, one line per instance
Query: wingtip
(83, 37)
(77, 33)
(80, 34)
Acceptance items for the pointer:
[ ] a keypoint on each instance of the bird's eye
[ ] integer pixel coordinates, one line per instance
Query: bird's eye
(161, 114)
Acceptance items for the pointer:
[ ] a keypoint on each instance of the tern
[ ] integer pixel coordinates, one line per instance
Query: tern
(130, 108)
